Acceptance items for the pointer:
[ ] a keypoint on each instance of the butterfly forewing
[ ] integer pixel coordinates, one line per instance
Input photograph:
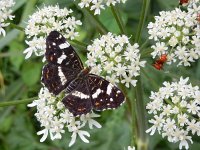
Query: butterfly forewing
(63, 63)
(104, 95)
(78, 102)
(60, 52)
(56, 78)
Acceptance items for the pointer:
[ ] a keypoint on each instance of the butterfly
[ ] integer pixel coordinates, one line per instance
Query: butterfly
(84, 91)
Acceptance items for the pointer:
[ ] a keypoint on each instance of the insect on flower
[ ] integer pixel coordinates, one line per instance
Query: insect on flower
(159, 62)
(198, 17)
(183, 2)
(84, 91)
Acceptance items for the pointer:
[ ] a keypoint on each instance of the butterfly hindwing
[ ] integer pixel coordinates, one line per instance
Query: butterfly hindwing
(104, 95)
(78, 102)
(60, 52)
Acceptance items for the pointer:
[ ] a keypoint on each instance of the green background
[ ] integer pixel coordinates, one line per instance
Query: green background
(20, 79)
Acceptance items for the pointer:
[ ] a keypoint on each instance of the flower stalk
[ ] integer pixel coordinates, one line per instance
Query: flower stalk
(142, 139)
(118, 19)
(17, 102)
(101, 27)
(16, 27)
(143, 15)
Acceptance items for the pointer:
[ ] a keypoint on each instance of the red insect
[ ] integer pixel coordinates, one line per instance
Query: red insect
(158, 66)
(183, 2)
(162, 59)
(160, 62)
(198, 17)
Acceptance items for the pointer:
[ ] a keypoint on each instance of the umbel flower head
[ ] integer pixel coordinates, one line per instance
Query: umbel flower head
(97, 5)
(193, 7)
(45, 20)
(131, 148)
(115, 58)
(176, 111)
(5, 14)
(55, 119)
(176, 33)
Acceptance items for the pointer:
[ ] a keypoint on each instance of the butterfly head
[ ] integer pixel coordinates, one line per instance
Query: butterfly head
(84, 73)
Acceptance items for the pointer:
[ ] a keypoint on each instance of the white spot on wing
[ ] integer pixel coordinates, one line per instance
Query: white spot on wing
(62, 76)
(64, 45)
(81, 95)
(109, 88)
(95, 95)
(61, 58)
(118, 91)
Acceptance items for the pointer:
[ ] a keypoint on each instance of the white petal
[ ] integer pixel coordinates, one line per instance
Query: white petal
(45, 134)
(33, 104)
(73, 139)
(82, 135)
(93, 123)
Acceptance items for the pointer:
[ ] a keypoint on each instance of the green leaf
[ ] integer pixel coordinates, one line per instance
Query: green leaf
(18, 4)
(8, 38)
(6, 124)
(16, 49)
(198, 70)
(167, 3)
(109, 21)
(31, 73)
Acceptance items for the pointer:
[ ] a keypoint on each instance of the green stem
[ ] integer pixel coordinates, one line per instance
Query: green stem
(118, 19)
(16, 27)
(144, 44)
(80, 43)
(101, 27)
(143, 15)
(8, 54)
(152, 81)
(133, 114)
(142, 139)
(17, 102)
(123, 88)
(146, 53)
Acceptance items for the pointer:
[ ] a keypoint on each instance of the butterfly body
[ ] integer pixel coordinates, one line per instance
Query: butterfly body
(65, 72)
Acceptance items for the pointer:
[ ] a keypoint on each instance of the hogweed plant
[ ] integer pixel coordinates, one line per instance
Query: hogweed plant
(45, 20)
(175, 108)
(74, 93)
(5, 11)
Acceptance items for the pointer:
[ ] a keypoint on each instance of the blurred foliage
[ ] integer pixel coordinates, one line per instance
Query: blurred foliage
(20, 79)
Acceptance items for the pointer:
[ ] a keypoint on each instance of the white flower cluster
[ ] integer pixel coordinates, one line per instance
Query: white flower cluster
(55, 118)
(45, 20)
(194, 8)
(176, 110)
(5, 14)
(131, 148)
(192, 3)
(115, 58)
(176, 33)
(97, 5)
